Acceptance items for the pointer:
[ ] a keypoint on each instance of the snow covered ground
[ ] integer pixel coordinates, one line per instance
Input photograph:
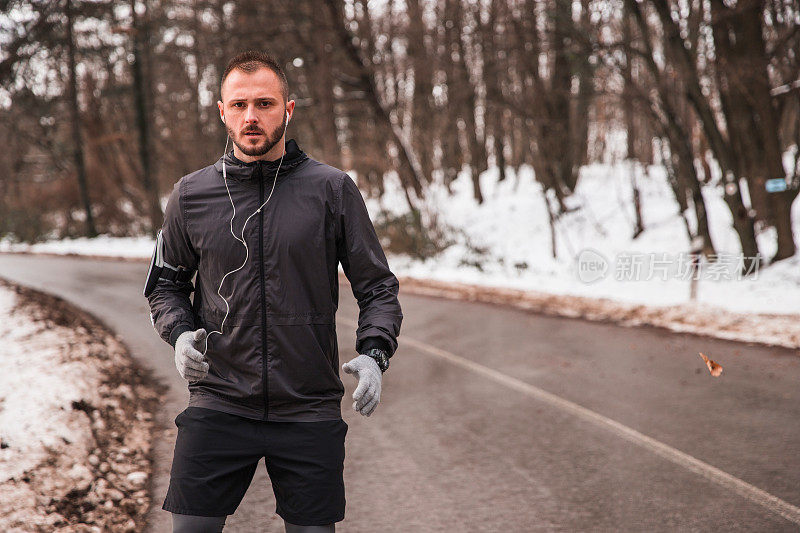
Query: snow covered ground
(37, 389)
(72, 458)
(512, 225)
(511, 228)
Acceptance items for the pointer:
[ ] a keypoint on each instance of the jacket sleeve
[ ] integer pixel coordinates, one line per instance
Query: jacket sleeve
(364, 263)
(171, 310)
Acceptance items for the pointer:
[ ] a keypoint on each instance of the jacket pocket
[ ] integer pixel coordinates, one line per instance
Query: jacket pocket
(234, 358)
(304, 361)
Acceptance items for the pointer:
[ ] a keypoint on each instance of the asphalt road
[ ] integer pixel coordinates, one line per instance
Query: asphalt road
(493, 419)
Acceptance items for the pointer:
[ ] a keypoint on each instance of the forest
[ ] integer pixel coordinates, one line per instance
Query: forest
(105, 105)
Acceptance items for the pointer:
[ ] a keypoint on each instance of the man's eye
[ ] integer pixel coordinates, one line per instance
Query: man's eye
(265, 103)
(238, 104)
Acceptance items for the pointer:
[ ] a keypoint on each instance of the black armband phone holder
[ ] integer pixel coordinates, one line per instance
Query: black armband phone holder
(160, 269)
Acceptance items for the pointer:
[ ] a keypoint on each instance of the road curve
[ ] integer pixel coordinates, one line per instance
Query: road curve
(494, 419)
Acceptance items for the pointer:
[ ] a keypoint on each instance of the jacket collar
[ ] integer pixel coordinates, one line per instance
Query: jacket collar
(236, 169)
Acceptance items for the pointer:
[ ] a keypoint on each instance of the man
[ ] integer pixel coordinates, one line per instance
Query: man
(258, 342)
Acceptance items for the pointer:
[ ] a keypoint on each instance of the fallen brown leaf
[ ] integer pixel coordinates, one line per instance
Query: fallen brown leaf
(714, 368)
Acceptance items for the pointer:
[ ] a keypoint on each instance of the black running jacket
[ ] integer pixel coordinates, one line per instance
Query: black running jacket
(278, 357)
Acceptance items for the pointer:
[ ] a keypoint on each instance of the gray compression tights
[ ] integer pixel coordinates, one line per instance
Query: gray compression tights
(184, 523)
(292, 528)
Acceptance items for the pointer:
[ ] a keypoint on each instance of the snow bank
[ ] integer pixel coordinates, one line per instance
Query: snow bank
(37, 388)
(75, 421)
(103, 245)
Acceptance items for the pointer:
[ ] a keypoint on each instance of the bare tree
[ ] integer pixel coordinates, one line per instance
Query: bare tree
(741, 67)
(685, 64)
(141, 87)
(77, 136)
(664, 113)
(412, 181)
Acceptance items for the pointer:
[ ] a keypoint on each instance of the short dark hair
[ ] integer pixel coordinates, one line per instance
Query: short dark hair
(252, 60)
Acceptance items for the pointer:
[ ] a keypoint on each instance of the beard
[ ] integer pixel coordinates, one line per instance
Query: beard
(270, 139)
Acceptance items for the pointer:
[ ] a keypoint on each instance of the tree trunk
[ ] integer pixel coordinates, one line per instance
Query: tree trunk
(560, 134)
(80, 167)
(676, 132)
(630, 126)
(466, 103)
(140, 90)
(422, 100)
(491, 46)
(752, 122)
(686, 66)
(323, 91)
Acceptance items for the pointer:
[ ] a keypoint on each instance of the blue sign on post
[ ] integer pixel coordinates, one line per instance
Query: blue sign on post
(775, 185)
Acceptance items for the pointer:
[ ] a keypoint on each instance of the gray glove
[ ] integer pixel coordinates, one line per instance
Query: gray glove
(191, 363)
(368, 392)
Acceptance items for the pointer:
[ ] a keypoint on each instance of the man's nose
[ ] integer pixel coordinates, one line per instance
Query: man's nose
(250, 116)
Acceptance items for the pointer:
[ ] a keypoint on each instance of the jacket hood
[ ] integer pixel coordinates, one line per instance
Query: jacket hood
(237, 169)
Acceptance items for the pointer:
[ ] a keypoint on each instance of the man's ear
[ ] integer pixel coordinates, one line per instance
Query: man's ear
(221, 113)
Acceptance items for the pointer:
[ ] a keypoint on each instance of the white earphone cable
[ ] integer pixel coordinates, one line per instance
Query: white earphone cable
(241, 240)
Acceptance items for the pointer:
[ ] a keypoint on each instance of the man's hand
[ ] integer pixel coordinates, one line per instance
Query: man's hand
(191, 363)
(368, 392)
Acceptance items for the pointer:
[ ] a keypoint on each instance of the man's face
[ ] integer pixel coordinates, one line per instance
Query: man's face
(254, 112)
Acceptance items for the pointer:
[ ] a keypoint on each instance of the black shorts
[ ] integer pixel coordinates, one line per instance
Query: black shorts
(216, 455)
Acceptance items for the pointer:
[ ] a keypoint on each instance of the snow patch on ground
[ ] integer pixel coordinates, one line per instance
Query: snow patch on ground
(103, 245)
(75, 421)
(37, 388)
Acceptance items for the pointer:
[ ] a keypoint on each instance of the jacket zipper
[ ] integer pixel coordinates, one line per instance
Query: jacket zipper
(263, 298)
